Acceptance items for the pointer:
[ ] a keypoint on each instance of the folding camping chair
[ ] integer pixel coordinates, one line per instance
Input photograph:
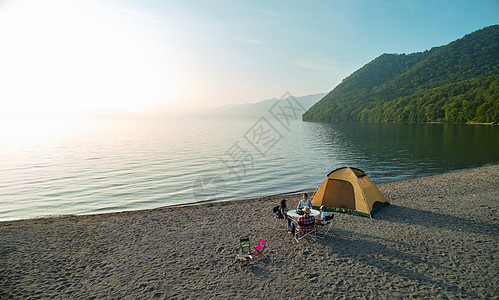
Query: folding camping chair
(277, 216)
(245, 251)
(245, 245)
(328, 224)
(304, 230)
(260, 247)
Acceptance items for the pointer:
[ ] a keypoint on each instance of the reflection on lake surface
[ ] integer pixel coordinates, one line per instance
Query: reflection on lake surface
(393, 151)
(94, 166)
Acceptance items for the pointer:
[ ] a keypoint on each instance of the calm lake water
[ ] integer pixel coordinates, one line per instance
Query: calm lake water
(97, 166)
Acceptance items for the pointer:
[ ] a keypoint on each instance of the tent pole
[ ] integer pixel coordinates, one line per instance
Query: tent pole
(365, 199)
(315, 192)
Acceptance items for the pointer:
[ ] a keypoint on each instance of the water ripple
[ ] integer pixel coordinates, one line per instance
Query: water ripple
(136, 164)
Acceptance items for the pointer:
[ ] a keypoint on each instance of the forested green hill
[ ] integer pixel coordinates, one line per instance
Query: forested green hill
(458, 82)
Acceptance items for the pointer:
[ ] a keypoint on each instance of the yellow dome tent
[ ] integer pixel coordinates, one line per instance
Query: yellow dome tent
(349, 190)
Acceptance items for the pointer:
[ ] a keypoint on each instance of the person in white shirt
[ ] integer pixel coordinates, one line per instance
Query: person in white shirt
(324, 216)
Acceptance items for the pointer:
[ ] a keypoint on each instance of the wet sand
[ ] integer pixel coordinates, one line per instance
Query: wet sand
(438, 239)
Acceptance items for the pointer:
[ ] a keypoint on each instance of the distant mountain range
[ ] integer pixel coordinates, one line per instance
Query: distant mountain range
(458, 83)
(254, 110)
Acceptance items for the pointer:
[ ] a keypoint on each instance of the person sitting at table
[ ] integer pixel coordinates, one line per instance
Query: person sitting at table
(323, 217)
(283, 212)
(304, 222)
(304, 202)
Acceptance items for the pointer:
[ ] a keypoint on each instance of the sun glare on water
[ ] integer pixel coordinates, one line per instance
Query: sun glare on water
(77, 57)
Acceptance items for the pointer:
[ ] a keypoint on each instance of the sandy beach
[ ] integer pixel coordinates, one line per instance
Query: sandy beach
(438, 239)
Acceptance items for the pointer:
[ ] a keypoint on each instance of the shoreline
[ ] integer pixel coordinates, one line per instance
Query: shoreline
(208, 202)
(438, 238)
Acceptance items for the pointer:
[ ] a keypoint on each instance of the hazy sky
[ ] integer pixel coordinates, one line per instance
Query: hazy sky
(89, 56)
